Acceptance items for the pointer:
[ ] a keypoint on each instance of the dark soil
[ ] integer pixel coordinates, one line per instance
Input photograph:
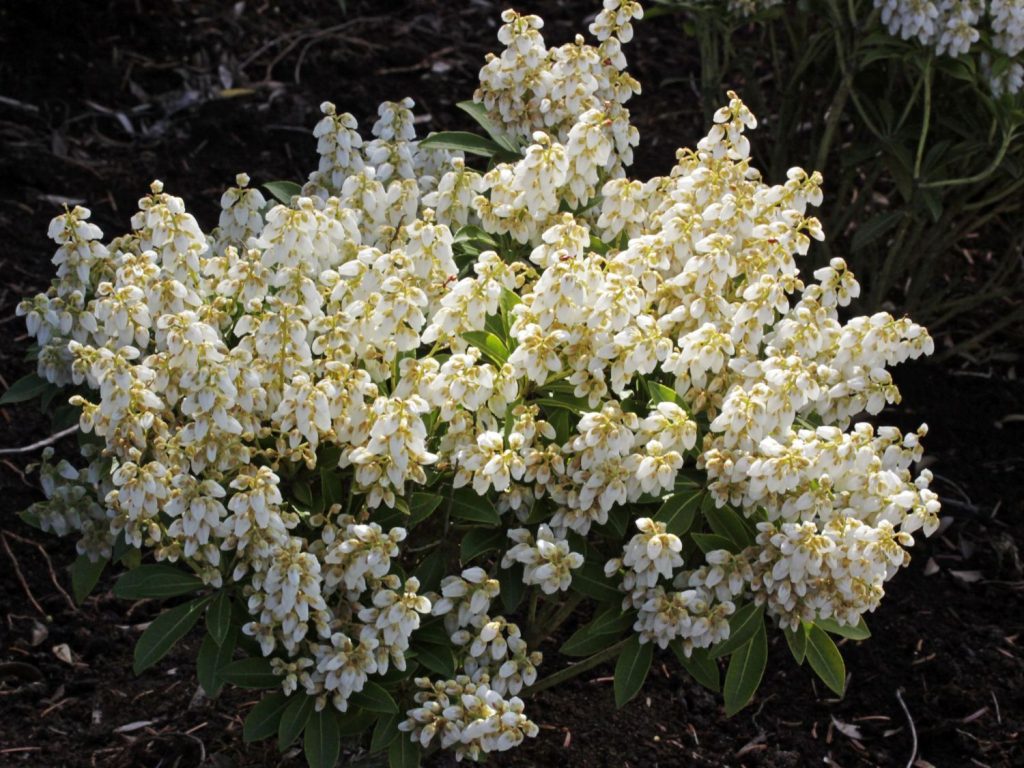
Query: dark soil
(98, 99)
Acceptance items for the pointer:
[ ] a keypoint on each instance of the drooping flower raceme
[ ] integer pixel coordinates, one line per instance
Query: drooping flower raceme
(379, 411)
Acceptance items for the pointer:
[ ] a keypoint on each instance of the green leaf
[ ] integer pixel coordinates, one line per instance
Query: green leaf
(562, 400)
(512, 587)
(422, 506)
(261, 722)
(85, 574)
(25, 388)
(385, 732)
(662, 394)
(678, 512)
(742, 626)
(479, 113)
(470, 233)
(431, 570)
(872, 229)
(727, 522)
(250, 673)
(404, 753)
(589, 580)
(797, 642)
(859, 631)
(356, 722)
(480, 540)
(331, 488)
(618, 522)
(467, 505)
(746, 668)
(283, 191)
(294, 719)
(631, 669)
(709, 542)
(700, 666)
(322, 744)
(374, 698)
(462, 141)
(156, 580)
(436, 658)
(605, 630)
(489, 344)
(825, 659)
(212, 659)
(167, 629)
(218, 617)
(585, 642)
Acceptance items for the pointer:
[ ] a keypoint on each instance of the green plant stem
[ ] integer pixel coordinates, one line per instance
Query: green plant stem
(568, 673)
(1007, 139)
(926, 121)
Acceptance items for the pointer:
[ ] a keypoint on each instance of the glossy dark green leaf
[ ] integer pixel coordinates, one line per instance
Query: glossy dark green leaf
(678, 512)
(471, 233)
(700, 665)
(218, 617)
(262, 720)
(662, 394)
(726, 522)
(512, 587)
(85, 574)
(294, 718)
(743, 676)
(585, 643)
(859, 631)
(253, 673)
(385, 732)
(283, 191)
(825, 659)
(483, 118)
(356, 722)
(212, 659)
(631, 669)
(742, 626)
(25, 388)
(322, 743)
(374, 698)
(462, 141)
(165, 630)
(404, 752)
(436, 658)
(479, 540)
(431, 570)
(589, 580)
(422, 506)
(797, 642)
(157, 580)
(604, 630)
(488, 343)
(709, 542)
(468, 505)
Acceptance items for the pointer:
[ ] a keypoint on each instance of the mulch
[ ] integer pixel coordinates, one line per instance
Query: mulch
(98, 99)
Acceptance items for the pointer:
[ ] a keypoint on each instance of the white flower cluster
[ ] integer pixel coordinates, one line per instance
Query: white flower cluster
(352, 336)
(951, 28)
(469, 717)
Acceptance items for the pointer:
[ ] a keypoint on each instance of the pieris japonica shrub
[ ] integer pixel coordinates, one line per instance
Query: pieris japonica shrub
(913, 110)
(387, 435)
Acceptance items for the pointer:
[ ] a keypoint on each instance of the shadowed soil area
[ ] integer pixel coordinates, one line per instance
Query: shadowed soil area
(98, 99)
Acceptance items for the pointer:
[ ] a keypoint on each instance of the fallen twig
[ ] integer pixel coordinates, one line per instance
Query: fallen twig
(913, 730)
(42, 443)
(21, 577)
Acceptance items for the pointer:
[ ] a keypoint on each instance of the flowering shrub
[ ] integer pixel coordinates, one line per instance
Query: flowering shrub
(397, 429)
(951, 28)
